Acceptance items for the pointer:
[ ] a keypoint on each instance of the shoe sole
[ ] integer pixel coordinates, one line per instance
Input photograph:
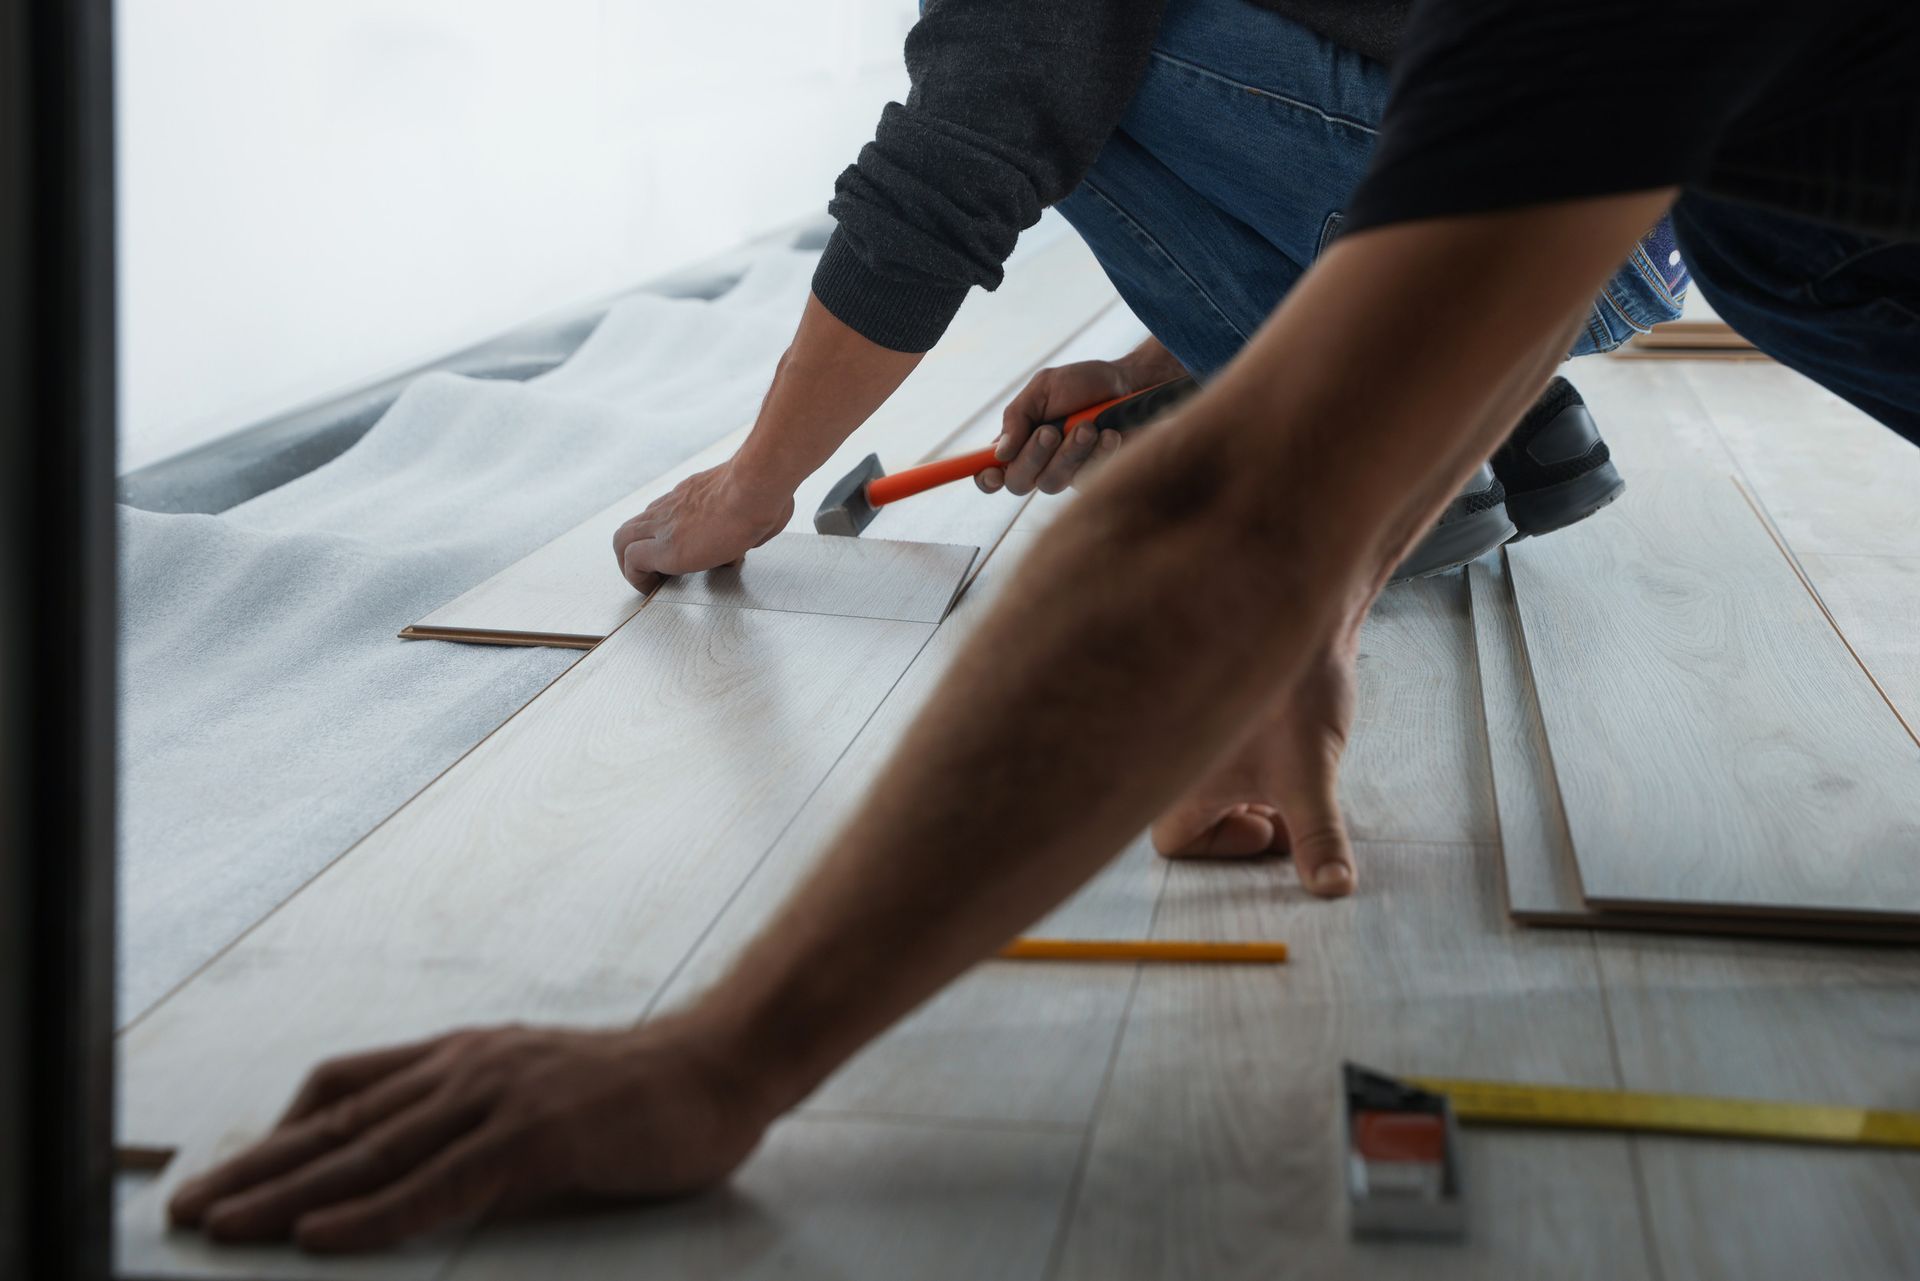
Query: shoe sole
(1457, 543)
(1541, 511)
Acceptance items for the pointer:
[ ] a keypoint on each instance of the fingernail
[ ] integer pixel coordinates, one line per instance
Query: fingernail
(1000, 448)
(1083, 435)
(1049, 437)
(1332, 878)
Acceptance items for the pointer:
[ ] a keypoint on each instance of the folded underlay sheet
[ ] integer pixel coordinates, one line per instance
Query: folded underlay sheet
(269, 715)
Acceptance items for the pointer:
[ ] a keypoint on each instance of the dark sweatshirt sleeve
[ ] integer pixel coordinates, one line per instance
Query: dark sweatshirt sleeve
(1011, 101)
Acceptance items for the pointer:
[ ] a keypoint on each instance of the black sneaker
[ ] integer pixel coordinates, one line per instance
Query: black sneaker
(1555, 467)
(1473, 524)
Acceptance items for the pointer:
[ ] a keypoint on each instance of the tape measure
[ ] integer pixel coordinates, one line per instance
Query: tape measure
(1576, 1107)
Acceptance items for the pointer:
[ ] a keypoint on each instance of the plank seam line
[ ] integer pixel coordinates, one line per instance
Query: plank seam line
(1825, 613)
(1056, 1254)
(336, 860)
(971, 1124)
(673, 975)
(1644, 1202)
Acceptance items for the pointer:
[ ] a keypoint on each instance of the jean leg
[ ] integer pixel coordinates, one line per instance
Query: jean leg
(1839, 307)
(1200, 280)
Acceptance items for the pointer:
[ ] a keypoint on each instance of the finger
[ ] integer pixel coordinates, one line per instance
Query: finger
(1316, 835)
(1102, 454)
(992, 480)
(1068, 460)
(1241, 831)
(337, 1078)
(1022, 413)
(638, 563)
(464, 1181)
(376, 1159)
(1023, 472)
(294, 1146)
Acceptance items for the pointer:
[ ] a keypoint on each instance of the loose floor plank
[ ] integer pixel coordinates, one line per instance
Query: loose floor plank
(856, 577)
(570, 591)
(560, 871)
(824, 1200)
(1536, 849)
(1717, 747)
(1009, 1042)
(1216, 1153)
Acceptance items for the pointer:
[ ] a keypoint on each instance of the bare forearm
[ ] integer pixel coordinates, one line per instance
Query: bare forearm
(829, 382)
(1185, 594)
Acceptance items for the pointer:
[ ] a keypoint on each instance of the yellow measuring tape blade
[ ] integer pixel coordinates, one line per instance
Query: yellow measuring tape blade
(1501, 1103)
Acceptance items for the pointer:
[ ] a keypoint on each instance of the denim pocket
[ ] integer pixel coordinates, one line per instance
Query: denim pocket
(1330, 230)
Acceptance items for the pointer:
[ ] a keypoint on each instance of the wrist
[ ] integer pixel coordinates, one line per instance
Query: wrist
(758, 487)
(1149, 365)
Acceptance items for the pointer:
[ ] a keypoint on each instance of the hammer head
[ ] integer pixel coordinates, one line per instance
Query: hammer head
(845, 510)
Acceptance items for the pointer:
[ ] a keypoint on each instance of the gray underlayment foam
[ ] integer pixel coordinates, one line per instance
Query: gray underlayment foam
(269, 715)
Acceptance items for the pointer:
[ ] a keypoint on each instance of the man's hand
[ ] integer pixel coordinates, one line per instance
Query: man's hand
(383, 1146)
(1278, 791)
(711, 518)
(1035, 457)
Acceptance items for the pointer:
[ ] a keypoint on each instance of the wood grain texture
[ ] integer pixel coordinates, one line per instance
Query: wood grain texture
(1536, 849)
(1833, 480)
(1216, 1153)
(1771, 1021)
(824, 1200)
(571, 589)
(1008, 1042)
(857, 577)
(1717, 747)
(560, 871)
(1416, 768)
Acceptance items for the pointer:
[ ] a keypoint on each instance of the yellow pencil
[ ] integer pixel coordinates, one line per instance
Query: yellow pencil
(1143, 950)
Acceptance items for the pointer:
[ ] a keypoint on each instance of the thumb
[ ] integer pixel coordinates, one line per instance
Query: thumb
(1317, 838)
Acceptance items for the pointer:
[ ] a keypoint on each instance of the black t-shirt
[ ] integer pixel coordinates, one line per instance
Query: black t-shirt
(1810, 108)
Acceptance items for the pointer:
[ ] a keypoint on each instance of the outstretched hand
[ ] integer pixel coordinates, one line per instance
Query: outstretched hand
(384, 1146)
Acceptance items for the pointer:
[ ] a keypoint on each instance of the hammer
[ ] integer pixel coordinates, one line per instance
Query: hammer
(851, 505)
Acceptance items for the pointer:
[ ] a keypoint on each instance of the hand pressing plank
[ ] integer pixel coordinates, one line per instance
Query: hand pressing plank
(380, 1147)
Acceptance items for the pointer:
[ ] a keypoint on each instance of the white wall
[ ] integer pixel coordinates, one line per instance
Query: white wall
(317, 192)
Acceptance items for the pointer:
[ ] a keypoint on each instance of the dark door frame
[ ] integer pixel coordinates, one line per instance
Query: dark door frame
(57, 638)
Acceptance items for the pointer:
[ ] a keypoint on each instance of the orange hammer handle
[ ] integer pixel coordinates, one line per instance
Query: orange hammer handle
(918, 480)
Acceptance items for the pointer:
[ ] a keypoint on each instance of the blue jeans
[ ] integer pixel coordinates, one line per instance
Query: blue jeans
(1229, 172)
(1841, 308)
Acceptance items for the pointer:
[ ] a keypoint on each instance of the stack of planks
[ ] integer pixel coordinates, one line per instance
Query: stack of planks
(1681, 736)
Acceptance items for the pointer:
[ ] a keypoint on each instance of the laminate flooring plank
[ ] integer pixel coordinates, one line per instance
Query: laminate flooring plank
(1793, 1022)
(560, 871)
(823, 1200)
(1536, 850)
(1833, 480)
(571, 590)
(1717, 746)
(1650, 416)
(857, 577)
(1216, 1153)
(1416, 765)
(1011, 1041)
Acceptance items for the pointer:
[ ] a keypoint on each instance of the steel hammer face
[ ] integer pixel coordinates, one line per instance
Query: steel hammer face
(845, 510)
